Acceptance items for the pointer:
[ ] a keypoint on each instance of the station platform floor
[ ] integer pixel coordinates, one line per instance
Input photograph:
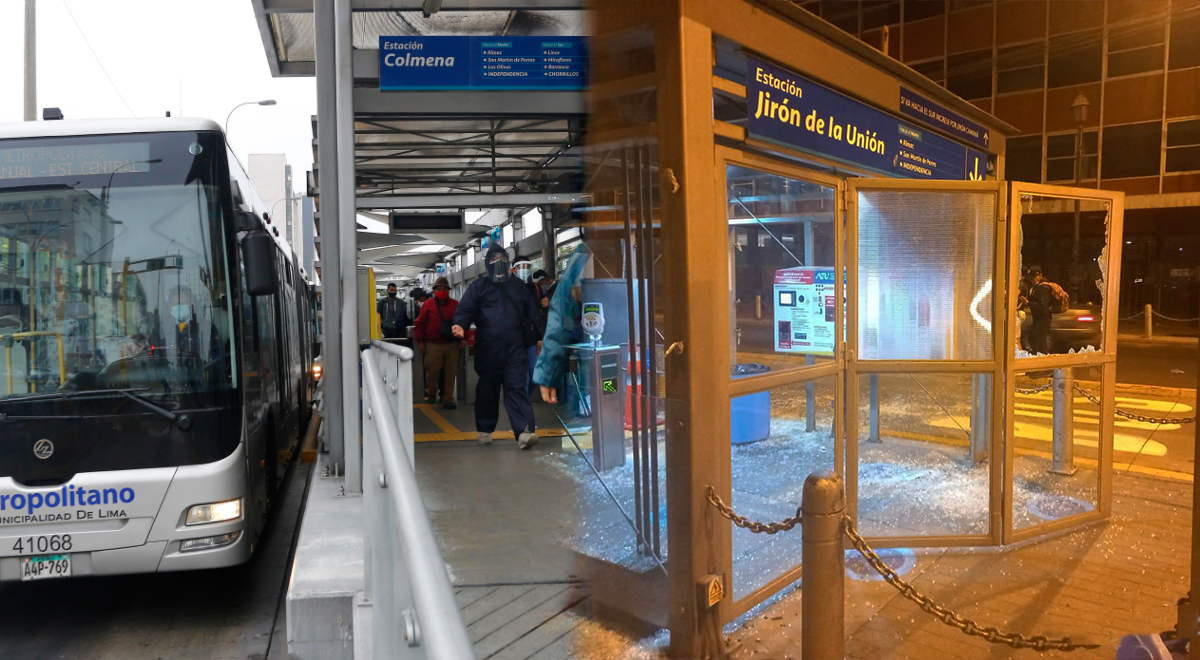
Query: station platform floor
(510, 524)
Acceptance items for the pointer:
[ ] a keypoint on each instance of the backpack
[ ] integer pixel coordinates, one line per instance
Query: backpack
(1062, 300)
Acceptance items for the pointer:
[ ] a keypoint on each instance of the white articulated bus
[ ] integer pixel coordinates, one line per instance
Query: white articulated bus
(155, 350)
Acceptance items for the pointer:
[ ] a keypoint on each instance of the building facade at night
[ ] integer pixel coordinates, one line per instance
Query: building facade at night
(1137, 62)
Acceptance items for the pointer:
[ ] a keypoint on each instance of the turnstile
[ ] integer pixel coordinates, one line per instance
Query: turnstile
(602, 388)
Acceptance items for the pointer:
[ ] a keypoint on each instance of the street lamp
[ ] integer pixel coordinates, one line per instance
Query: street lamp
(266, 102)
(1079, 108)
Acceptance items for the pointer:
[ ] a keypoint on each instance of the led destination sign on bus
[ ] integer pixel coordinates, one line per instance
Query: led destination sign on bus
(73, 160)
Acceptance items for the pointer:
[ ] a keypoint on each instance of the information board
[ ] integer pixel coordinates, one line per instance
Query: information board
(805, 308)
(463, 62)
(789, 109)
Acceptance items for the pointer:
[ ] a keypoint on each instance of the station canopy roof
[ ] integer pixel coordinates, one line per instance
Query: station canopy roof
(444, 150)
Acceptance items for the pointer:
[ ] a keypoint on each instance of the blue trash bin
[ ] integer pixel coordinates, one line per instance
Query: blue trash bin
(749, 415)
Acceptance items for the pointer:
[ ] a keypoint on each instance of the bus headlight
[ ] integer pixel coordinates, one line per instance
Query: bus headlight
(203, 514)
(317, 371)
(208, 543)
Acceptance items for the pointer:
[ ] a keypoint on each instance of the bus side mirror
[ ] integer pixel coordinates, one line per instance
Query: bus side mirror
(258, 249)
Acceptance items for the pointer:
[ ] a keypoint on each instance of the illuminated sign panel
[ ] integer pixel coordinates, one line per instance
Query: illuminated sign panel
(473, 62)
(61, 160)
(789, 109)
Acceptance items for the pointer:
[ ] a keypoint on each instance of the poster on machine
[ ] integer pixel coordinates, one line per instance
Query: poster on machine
(805, 302)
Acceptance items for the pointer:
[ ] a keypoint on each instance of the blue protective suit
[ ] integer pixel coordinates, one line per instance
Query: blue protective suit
(501, 360)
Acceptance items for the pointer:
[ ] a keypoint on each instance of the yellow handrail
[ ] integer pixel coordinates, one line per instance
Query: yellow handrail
(62, 362)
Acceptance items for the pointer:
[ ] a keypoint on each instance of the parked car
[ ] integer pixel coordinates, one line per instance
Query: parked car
(1078, 327)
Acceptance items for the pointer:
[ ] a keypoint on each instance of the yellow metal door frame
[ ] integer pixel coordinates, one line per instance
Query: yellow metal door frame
(1105, 359)
(723, 157)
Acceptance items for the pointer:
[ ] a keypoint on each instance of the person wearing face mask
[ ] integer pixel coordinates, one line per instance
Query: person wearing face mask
(184, 329)
(505, 320)
(437, 342)
(523, 269)
(393, 317)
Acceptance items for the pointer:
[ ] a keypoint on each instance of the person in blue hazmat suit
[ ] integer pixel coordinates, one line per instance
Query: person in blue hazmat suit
(500, 307)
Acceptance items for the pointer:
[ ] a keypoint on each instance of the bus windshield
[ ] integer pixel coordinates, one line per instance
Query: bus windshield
(113, 265)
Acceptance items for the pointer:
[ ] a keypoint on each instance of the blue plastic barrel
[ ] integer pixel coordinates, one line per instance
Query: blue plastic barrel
(749, 415)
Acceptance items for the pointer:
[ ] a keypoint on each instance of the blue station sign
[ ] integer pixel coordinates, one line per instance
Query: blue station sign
(457, 62)
(931, 114)
(791, 110)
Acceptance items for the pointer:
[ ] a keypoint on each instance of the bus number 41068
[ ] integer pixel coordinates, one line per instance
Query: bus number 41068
(34, 544)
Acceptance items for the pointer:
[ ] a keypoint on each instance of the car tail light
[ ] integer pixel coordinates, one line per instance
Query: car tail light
(1087, 318)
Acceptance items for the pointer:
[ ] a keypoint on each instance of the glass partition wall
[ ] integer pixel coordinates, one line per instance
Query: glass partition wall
(784, 238)
(923, 360)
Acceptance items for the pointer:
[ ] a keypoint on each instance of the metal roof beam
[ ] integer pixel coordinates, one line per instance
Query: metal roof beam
(287, 6)
(468, 201)
(491, 103)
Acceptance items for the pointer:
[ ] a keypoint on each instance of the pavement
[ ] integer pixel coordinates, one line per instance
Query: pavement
(1095, 585)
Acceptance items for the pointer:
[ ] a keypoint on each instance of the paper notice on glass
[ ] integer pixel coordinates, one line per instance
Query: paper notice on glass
(804, 310)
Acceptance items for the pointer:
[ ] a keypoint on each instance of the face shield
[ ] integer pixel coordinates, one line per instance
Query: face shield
(524, 270)
(497, 266)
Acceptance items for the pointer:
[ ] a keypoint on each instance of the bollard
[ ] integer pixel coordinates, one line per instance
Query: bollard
(822, 622)
(1064, 423)
(1149, 322)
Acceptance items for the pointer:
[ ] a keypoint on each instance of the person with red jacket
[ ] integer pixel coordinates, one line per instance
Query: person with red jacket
(437, 343)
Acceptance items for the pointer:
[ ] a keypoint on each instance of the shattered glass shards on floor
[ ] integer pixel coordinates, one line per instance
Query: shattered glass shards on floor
(917, 488)
(1040, 496)
(919, 480)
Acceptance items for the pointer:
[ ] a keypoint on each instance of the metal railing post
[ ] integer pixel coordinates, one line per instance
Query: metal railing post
(823, 554)
(414, 610)
(1064, 422)
(1149, 321)
(874, 408)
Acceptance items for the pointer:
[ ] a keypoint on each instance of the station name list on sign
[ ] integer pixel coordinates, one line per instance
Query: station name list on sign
(447, 63)
(788, 109)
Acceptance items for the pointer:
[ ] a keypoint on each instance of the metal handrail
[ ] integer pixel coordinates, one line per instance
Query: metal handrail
(436, 625)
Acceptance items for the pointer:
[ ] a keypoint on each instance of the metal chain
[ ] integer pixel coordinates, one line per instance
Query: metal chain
(1171, 318)
(950, 617)
(741, 521)
(1036, 390)
(1135, 416)
(946, 616)
(1130, 318)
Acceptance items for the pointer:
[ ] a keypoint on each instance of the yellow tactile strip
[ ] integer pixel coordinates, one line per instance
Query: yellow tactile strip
(450, 433)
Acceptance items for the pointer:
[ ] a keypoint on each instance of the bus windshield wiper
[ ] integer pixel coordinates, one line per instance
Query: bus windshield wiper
(183, 421)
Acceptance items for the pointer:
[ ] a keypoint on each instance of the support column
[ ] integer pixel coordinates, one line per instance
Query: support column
(981, 417)
(698, 351)
(30, 61)
(347, 248)
(331, 263)
(873, 379)
(1064, 422)
(810, 393)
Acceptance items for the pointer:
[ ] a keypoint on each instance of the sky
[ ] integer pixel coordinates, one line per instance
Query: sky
(150, 49)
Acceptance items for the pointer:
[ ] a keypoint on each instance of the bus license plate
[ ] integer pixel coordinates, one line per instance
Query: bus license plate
(45, 566)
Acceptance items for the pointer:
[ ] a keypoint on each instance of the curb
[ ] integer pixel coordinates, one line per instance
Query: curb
(1138, 339)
